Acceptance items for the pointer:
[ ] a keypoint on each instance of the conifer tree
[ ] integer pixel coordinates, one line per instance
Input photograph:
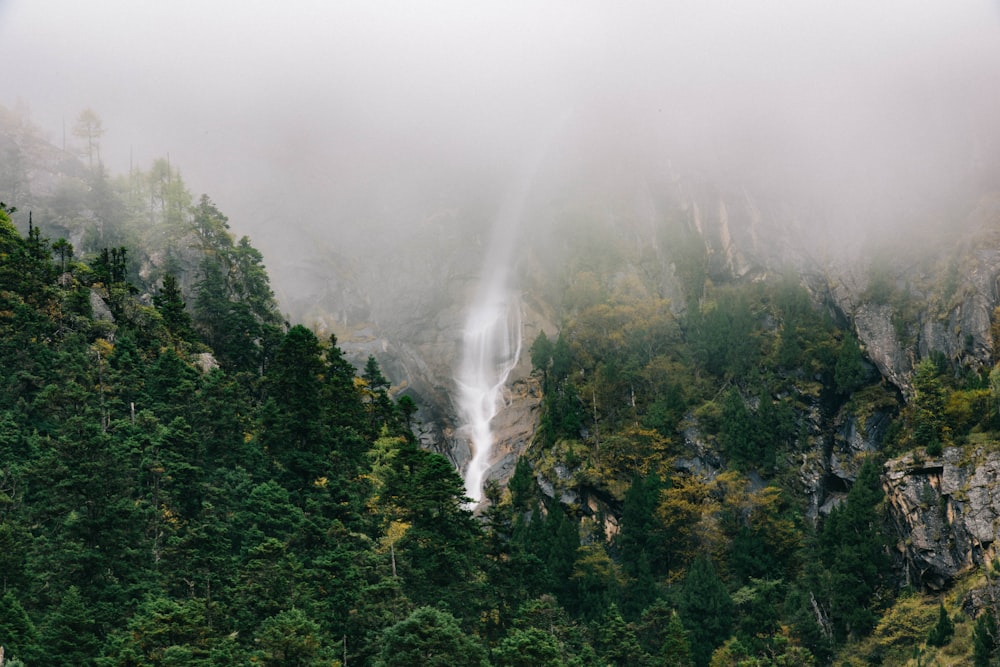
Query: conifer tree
(705, 608)
(849, 371)
(943, 630)
(984, 639)
(170, 302)
(929, 426)
(292, 417)
(528, 647)
(852, 549)
(676, 650)
(18, 635)
(432, 638)
(70, 636)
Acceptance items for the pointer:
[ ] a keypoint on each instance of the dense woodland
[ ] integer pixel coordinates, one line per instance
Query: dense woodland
(186, 479)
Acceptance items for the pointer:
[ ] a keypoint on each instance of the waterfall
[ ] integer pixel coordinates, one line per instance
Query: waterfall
(491, 348)
(491, 340)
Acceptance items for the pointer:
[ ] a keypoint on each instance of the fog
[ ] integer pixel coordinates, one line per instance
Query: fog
(316, 124)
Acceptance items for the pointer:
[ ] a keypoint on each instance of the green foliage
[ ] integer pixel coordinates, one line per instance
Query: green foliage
(529, 647)
(170, 304)
(234, 309)
(615, 641)
(70, 636)
(984, 639)
(19, 637)
(706, 609)
(852, 549)
(278, 510)
(676, 649)
(541, 355)
(929, 428)
(849, 373)
(291, 638)
(943, 630)
(429, 637)
(723, 336)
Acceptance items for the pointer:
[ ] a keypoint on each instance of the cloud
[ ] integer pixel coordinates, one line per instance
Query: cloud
(325, 114)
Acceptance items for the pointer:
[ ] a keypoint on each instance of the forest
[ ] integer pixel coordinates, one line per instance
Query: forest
(188, 479)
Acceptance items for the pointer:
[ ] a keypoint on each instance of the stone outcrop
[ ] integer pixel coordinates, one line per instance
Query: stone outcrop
(942, 302)
(946, 512)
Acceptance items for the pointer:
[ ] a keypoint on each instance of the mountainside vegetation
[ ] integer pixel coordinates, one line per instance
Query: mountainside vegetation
(187, 479)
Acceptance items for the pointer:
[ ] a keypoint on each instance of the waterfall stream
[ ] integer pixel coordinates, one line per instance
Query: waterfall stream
(491, 348)
(491, 339)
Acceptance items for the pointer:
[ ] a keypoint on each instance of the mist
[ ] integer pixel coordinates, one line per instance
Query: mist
(336, 127)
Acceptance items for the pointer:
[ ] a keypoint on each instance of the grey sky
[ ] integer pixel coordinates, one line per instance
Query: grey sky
(326, 111)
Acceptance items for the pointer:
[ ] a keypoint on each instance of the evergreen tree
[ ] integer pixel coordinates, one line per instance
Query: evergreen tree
(17, 633)
(440, 552)
(849, 372)
(170, 303)
(291, 639)
(293, 431)
(432, 638)
(341, 398)
(616, 642)
(541, 357)
(381, 411)
(929, 427)
(640, 542)
(70, 636)
(984, 639)
(943, 630)
(676, 650)
(852, 549)
(529, 647)
(705, 608)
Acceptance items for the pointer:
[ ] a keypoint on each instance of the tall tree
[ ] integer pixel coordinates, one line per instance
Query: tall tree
(291, 418)
(853, 549)
(90, 129)
(170, 302)
(431, 638)
(706, 609)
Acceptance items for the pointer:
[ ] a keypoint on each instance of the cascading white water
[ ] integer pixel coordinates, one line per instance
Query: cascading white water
(491, 341)
(492, 346)
(492, 336)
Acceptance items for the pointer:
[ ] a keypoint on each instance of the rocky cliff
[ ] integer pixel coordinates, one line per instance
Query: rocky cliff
(946, 511)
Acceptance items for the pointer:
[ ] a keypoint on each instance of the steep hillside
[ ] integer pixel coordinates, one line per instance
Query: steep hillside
(728, 440)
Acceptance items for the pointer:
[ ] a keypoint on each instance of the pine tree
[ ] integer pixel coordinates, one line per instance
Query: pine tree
(984, 639)
(616, 642)
(929, 428)
(528, 647)
(17, 633)
(70, 636)
(849, 372)
(943, 630)
(292, 417)
(170, 303)
(706, 609)
(292, 639)
(431, 638)
(852, 549)
(676, 650)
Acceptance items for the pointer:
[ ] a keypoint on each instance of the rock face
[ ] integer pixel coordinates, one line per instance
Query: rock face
(942, 302)
(946, 511)
(515, 426)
